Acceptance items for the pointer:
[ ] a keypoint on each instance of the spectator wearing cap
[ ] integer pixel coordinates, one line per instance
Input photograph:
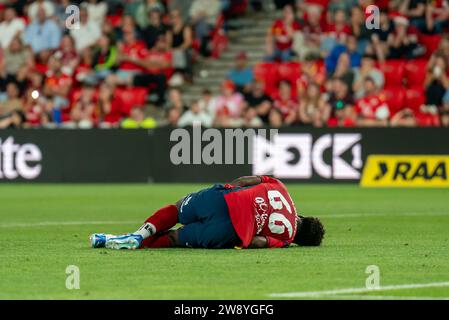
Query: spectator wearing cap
(241, 75)
(367, 69)
(88, 32)
(204, 16)
(43, 33)
(10, 27)
(279, 40)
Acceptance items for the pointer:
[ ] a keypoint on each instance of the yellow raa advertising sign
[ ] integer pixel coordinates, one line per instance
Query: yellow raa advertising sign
(406, 171)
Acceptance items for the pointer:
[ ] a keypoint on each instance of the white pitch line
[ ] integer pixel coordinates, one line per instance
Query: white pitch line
(64, 223)
(357, 215)
(357, 290)
(367, 297)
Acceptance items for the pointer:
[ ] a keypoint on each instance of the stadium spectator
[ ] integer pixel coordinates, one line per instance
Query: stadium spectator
(339, 107)
(195, 117)
(12, 101)
(312, 72)
(367, 69)
(251, 119)
(285, 104)
(69, 56)
(379, 38)
(145, 10)
(437, 81)
(335, 32)
(88, 32)
(359, 29)
(349, 49)
(204, 16)
(229, 105)
(258, 100)
(344, 71)
(109, 110)
(176, 100)
(83, 113)
(241, 75)
(17, 57)
(415, 11)
(280, 37)
(208, 102)
(308, 41)
(403, 41)
(311, 107)
(43, 33)
(36, 6)
(137, 120)
(180, 37)
(154, 29)
(104, 59)
(10, 27)
(96, 11)
(404, 118)
(371, 110)
(57, 86)
(173, 115)
(437, 17)
(17, 120)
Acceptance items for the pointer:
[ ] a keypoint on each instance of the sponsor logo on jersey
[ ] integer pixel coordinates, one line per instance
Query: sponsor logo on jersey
(406, 171)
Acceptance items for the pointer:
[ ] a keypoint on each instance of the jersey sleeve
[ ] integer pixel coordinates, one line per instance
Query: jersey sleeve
(275, 243)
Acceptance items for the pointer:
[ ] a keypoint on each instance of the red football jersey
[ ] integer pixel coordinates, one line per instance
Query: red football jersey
(265, 209)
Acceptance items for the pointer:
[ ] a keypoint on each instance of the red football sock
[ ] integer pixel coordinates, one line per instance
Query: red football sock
(157, 241)
(164, 219)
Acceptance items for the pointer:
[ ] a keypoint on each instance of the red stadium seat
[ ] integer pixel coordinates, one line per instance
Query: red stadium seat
(415, 73)
(131, 97)
(394, 73)
(431, 42)
(267, 72)
(290, 71)
(395, 98)
(414, 99)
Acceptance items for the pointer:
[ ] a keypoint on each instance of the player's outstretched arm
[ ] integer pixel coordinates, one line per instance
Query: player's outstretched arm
(247, 181)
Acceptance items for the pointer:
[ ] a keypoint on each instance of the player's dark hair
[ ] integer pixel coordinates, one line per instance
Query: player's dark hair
(310, 232)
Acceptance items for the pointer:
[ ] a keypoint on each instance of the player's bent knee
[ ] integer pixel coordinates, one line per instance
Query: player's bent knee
(173, 236)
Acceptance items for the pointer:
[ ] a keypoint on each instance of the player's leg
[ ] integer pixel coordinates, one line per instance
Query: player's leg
(162, 220)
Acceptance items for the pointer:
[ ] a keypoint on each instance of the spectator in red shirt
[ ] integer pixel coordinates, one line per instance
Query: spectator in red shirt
(83, 114)
(109, 109)
(280, 37)
(130, 51)
(57, 86)
(285, 104)
(371, 110)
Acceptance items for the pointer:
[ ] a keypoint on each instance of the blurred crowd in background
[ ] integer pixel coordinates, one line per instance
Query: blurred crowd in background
(125, 63)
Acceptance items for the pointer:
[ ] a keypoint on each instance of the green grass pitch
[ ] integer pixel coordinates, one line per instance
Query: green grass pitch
(45, 228)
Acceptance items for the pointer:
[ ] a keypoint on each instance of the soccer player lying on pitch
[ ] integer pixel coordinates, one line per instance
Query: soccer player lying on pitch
(251, 212)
